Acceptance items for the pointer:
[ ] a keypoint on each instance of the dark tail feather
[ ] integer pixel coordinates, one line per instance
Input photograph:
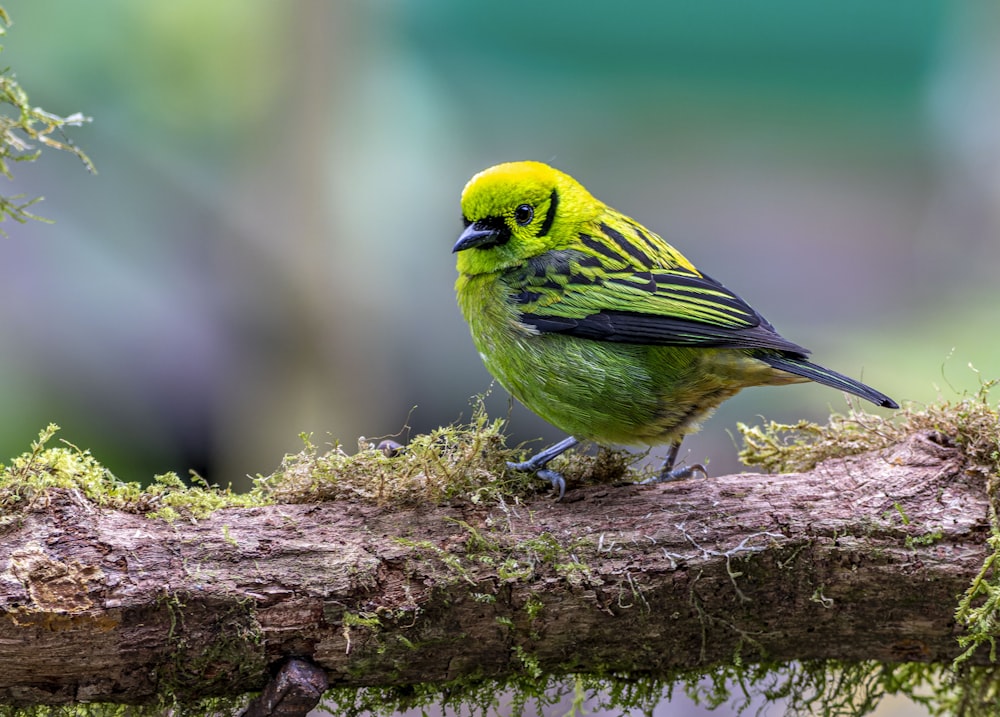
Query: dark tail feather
(806, 369)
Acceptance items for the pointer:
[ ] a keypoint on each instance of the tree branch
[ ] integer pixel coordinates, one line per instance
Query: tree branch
(860, 559)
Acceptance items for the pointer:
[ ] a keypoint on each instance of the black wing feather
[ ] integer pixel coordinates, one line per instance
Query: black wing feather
(748, 329)
(635, 328)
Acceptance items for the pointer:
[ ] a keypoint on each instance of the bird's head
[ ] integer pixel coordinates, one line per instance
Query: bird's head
(516, 211)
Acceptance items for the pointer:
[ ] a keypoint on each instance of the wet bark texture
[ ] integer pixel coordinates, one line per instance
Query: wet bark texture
(862, 558)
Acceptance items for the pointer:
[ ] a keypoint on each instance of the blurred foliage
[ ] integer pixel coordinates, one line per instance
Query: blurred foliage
(20, 125)
(809, 689)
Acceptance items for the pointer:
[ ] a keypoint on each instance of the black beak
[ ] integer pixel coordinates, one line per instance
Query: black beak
(483, 234)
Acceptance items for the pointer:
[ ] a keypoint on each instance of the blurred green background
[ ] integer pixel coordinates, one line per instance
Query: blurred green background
(266, 249)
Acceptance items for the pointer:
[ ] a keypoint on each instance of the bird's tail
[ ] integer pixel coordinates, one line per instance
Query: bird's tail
(807, 369)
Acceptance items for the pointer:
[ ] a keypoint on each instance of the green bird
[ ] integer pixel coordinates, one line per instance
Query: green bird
(601, 327)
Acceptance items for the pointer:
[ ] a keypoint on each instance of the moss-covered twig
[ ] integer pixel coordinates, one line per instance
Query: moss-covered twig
(22, 129)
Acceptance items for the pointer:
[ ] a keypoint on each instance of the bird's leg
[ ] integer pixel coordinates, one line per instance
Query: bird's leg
(669, 473)
(536, 464)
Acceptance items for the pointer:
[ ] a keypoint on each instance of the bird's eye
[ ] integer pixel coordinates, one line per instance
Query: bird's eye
(524, 214)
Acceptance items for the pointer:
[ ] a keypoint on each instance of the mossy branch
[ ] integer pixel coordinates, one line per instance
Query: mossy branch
(412, 575)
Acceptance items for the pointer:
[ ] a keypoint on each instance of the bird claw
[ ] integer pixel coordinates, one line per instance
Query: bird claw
(553, 477)
(676, 474)
(556, 479)
(536, 464)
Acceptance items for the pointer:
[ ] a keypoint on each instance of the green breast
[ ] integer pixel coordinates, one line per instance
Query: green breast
(594, 390)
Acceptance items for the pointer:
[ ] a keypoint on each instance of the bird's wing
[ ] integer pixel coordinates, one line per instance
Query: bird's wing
(667, 307)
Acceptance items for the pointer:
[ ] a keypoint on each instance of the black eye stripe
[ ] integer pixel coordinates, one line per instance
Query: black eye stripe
(550, 216)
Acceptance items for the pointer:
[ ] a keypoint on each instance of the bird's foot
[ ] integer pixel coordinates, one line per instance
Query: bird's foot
(556, 479)
(536, 464)
(553, 477)
(666, 476)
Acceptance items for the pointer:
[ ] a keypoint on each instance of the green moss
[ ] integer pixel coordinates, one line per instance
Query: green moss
(453, 563)
(212, 706)
(523, 561)
(817, 689)
(972, 423)
(461, 462)
(350, 621)
(467, 463)
(533, 608)
(27, 480)
(902, 513)
(979, 608)
(606, 466)
(368, 620)
(529, 663)
(228, 653)
(924, 540)
(454, 462)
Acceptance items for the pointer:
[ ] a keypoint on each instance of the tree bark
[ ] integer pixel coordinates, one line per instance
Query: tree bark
(862, 558)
